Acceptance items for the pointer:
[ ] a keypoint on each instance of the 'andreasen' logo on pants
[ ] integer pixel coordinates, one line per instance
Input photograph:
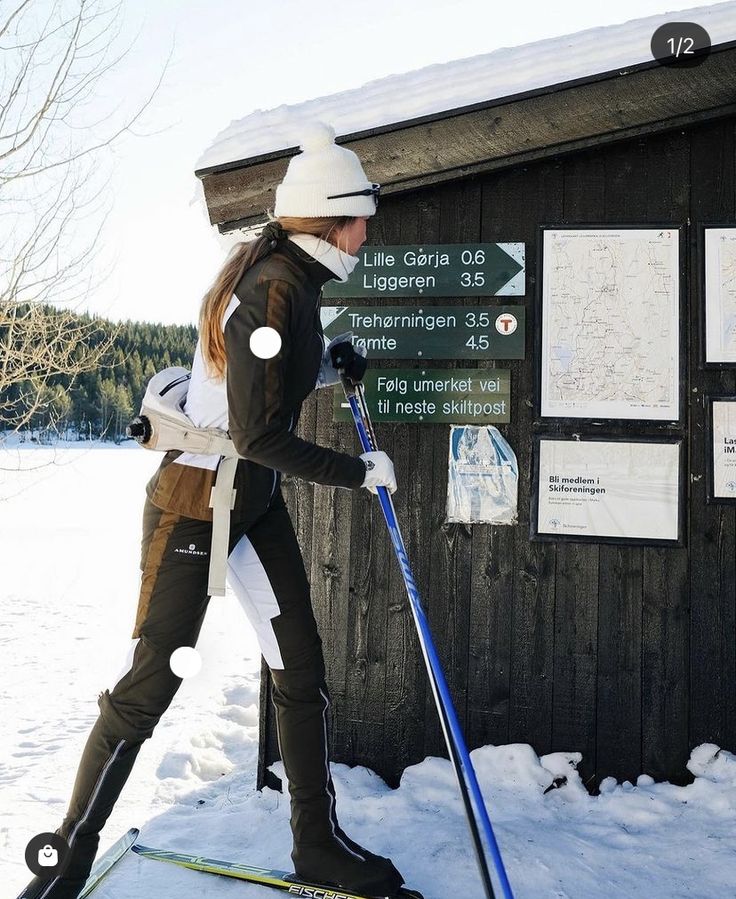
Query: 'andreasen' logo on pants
(191, 550)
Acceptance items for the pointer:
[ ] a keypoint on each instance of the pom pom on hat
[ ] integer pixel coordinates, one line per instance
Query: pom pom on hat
(317, 136)
(322, 170)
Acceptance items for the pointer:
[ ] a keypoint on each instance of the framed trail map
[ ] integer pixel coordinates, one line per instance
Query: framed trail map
(719, 294)
(610, 316)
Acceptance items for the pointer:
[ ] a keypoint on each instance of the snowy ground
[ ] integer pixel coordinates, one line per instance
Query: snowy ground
(69, 537)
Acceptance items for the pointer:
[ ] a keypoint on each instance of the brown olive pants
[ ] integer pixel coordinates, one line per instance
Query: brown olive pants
(266, 572)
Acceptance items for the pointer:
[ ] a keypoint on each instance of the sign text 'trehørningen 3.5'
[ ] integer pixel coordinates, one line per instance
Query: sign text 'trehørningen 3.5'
(431, 332)
(435, 270)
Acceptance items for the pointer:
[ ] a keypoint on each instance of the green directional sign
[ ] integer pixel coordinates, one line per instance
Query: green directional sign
(432, 332)
(460, 396)
(435, 270)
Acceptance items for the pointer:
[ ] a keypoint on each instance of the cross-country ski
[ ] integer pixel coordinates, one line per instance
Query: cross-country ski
(267, 877)
(108, 860)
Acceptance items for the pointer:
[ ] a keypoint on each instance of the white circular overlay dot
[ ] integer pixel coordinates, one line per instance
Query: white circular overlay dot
(185, 662)
(265, 343)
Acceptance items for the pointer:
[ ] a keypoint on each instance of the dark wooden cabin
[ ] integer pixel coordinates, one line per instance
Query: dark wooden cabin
(626, 654)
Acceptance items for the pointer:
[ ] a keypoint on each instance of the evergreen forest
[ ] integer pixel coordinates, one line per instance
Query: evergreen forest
(98, 404)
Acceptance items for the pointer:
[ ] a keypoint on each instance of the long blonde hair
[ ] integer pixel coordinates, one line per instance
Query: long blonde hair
(241, 258)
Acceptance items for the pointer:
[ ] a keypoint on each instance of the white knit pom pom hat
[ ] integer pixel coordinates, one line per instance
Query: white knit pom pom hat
(321, 172)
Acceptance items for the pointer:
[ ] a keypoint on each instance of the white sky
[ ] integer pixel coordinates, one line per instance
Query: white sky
(230, 58)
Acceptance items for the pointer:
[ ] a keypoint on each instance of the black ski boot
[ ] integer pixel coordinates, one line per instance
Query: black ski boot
(342, 863)
(56, 888)
(322, 852)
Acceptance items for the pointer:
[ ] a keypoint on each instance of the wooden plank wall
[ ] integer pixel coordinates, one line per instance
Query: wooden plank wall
(625, 654)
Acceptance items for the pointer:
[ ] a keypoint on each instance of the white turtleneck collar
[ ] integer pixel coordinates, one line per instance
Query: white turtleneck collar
(336, 260)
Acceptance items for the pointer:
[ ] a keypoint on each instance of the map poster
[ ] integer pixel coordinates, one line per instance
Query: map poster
(610, 324)
(720, 295)
(623, 491)
(722, 487)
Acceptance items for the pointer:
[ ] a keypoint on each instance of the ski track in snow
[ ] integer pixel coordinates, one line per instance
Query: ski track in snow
(71, 575)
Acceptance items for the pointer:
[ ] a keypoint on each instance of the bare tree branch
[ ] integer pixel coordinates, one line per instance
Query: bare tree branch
(54, 199)
(17, 12)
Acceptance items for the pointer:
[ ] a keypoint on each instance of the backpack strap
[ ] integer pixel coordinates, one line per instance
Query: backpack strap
(222, 502)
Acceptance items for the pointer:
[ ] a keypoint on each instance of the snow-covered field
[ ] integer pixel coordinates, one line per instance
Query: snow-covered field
(69, 538)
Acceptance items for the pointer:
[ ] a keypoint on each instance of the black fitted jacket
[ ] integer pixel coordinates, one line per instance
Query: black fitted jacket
(265, 396)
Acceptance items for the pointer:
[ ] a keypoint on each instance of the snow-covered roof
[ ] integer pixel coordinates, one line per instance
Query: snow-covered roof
(452, 85)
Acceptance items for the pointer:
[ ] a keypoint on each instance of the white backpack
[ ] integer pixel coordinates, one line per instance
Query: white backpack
(163, 425)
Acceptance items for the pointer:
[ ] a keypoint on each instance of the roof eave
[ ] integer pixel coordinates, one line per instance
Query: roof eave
(535, 124)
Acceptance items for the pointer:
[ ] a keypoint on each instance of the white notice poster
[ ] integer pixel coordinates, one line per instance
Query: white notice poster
(594, 489)
(720, 294)
(610, 324)
(724, 449)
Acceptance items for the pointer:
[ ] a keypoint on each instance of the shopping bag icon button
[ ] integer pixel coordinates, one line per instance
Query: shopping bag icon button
(48, 857)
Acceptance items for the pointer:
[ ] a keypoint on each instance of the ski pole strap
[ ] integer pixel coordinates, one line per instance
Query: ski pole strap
(222, 502)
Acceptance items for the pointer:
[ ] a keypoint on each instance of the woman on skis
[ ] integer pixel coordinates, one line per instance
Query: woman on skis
(274, 282)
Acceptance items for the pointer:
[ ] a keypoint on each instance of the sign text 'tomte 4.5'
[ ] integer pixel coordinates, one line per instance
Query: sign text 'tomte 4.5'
(431, 332)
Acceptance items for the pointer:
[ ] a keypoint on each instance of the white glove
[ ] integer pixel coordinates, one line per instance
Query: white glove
(328, 375)
(379, 473)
